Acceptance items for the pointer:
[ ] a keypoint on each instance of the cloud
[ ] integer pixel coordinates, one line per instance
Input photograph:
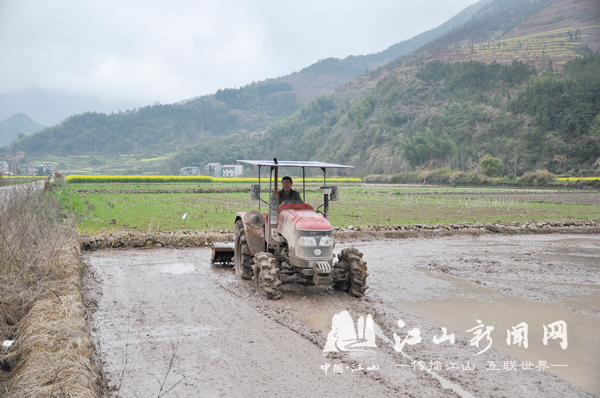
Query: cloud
(168, 51)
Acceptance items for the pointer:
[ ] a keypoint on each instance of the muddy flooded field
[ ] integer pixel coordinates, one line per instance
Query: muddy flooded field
(167, 322)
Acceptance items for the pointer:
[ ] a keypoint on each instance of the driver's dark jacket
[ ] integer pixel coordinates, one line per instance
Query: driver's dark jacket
(293, 195)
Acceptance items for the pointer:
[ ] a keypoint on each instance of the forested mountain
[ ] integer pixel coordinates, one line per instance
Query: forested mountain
(423, 112)
(14, 126)
(167, 128)
(440, 114)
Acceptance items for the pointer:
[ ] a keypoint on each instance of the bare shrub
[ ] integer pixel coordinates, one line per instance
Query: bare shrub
(424, 177)
(458, 177)
(477, 178)
(40, 303)
(30, 243)
(377, 179)
(539, 177)
(406, 178)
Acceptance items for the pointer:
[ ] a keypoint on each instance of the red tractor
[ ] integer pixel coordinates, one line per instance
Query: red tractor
(293, 242)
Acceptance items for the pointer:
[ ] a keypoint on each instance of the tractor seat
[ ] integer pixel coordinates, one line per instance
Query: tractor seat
(295, 206)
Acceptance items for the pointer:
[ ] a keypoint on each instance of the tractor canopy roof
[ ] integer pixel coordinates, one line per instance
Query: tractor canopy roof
(294, 163)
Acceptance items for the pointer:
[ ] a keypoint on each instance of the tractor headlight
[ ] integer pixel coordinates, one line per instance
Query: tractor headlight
(325, 241)
(317, 245)
(307, 241)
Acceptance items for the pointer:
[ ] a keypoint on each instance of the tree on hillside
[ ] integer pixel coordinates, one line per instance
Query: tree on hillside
(492, 167)
(361, 110)
(425, 146)
(595, 132)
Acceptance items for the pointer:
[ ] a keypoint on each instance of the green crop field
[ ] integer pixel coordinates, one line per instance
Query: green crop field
(364, 205)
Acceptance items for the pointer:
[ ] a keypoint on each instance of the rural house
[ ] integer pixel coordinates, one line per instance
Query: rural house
(233, 170)
(214, 169)
(189, 171)
(37, 169)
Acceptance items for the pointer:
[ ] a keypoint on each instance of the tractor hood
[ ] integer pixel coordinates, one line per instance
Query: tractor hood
(302, 219)
(301, 222)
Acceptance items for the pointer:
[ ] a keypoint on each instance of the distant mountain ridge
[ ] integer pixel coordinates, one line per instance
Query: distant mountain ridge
(329, 73)
(505, 99)
(380, 119)
(50, 107)
(161, 127)
(16, 125)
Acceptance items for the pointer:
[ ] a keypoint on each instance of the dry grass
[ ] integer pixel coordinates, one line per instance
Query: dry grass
(40, 302)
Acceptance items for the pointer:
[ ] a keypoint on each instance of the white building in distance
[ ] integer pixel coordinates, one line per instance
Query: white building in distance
(37, 169)
(214, 169)
(189, 171)
(233, 170)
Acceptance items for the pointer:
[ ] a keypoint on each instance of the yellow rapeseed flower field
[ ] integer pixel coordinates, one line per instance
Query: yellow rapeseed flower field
(578, 178)
(99, 179)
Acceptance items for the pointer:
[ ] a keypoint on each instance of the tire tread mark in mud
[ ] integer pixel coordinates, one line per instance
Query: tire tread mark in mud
(317, 338)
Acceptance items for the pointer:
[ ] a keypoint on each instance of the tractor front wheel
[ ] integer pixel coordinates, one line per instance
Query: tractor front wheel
(242, 258)
(266, 275)
(352, 264)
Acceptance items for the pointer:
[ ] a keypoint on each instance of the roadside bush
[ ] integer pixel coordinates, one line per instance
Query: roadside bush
(539, 177)
(408, 178)
(477, 178)
(441, 176)
(458, 177)
(424, 177)
(31, 241)
(436, 176)
(40, 301)
(377, 179)
(492, 167)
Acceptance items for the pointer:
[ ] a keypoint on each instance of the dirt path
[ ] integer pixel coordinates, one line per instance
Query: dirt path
(12, 193)
(153, 306)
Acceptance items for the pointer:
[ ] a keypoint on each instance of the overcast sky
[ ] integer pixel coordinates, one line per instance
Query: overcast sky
(166, 51)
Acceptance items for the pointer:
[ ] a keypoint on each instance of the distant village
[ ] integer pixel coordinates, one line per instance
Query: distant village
(215, 170)
(211, 169)
(28, 169)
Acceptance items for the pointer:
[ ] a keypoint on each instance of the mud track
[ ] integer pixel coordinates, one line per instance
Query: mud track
(165, 318)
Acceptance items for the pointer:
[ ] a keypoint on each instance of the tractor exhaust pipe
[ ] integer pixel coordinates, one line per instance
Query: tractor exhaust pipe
(274, 200)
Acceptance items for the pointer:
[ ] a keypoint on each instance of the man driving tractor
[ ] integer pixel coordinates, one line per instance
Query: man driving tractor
(292, 243)
(287, 193)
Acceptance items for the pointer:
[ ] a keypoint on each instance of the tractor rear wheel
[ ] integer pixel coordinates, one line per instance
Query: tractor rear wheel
(242, 258)
(266, 275)
(352, 264)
